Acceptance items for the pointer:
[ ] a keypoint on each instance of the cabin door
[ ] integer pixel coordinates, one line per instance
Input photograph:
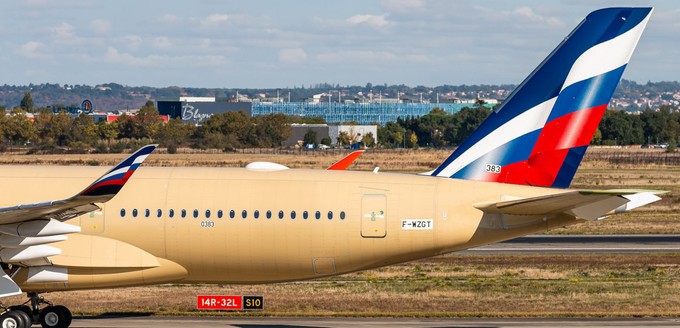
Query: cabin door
(373, 213)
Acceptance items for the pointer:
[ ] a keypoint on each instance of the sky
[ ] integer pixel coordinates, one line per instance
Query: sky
(285, 44)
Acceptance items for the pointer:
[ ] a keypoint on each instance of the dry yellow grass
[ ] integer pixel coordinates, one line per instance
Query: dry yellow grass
(455, 286)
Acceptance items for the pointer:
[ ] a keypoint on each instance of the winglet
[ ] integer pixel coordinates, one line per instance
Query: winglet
(109, 184)
(346, 161)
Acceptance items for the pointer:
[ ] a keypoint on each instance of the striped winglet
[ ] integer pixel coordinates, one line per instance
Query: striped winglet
(110, 183)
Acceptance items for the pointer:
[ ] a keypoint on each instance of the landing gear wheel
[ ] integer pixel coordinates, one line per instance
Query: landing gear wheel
(57, 316)
(28, 321)
(14, 319)
(23, 308)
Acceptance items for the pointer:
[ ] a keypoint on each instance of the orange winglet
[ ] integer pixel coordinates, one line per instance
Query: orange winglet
(346, 161)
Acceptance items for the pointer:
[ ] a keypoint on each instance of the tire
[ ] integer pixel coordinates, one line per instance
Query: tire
(55, 317)
(24, 308)
(28, 321)
(13, 319)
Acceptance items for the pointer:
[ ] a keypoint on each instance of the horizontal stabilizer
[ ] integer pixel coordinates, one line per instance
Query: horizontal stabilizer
(585, 204)
(346, 161)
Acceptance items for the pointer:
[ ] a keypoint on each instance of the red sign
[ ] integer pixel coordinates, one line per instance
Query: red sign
(219, 302)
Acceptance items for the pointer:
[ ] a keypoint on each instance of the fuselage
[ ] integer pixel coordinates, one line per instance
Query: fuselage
(227, 225)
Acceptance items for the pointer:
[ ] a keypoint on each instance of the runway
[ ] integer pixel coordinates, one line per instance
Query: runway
(571, 244)
(149, 322)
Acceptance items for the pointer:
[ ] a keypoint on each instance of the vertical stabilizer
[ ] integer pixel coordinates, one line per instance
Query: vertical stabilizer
(540, 133)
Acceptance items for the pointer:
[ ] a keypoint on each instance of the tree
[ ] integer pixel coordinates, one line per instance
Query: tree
(18, 129)
(27, 102)
(467, 121)
(391, 135)
(368, 139)
(148, 121)
(412, 141)
(126, 126)
(53, 128)
(108, 131)
(310, 138)
(272, 129)
(344, 138)
(83, 130)
(175, 132)
(236, 128)
(619, 127)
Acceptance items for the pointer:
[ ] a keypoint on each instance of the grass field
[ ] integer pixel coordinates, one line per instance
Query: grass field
(448, 286)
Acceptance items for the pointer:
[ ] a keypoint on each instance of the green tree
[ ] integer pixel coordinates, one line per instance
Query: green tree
(53, 128)
(412, 141)
(107, 131)
(344, 139)
(310, 138)
(619, 127)
(83, 130)
(147, 121)
(175, 132)
(391, 135)
(368, 139)
(272, 129)
(467, 121)
(27, 102)
(18, 129)
(126, 127)
(236, 129)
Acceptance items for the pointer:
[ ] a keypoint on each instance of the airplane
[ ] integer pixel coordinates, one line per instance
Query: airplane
(244, 225)
(340, 165)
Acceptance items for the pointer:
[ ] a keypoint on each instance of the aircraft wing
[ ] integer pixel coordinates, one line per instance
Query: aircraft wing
(100, 191)
(346, 161)
(26, 229)
(585, 204)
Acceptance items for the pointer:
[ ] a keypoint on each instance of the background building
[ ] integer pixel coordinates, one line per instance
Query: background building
(355, 133)
(198, 109)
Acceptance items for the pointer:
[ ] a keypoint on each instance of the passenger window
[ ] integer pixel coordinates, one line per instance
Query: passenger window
(280, 214)
(122, 212)
(207, 214)
(244, 214)
(184, 213)
(147, 213)
(317, 215)
(292, 215)
(342, 215)
(195, 213)
(232, 214)
(305, 215)
(269, 214)
(134, 213)
(219, 214)
(256, 214)
(159, 212)
(171, 213)
(330, 215)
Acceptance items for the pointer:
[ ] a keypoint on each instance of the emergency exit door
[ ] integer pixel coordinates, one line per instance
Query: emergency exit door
(373, 214)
